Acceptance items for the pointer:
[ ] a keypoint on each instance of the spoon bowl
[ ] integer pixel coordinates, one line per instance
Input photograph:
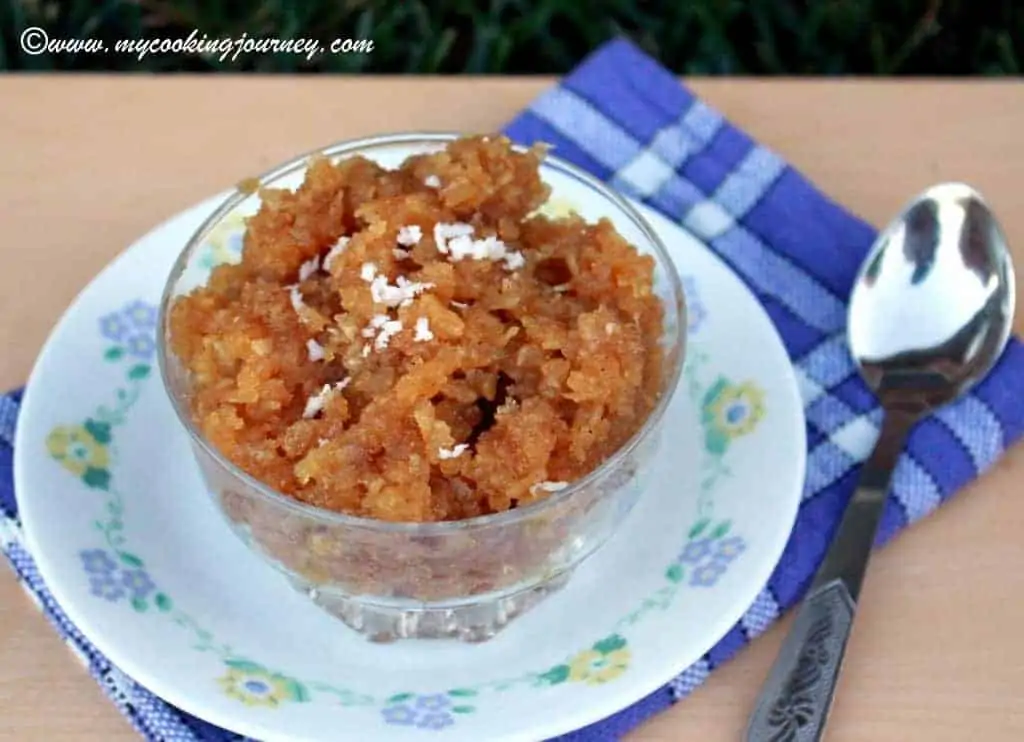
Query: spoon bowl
(932, 306)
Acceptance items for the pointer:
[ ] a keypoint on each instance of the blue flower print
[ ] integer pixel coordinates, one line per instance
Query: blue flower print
(427, 711)
(235, 242)
(114, 327)
(138, 583)
(106, 587)
(434, 702)
(401, 715)
(141, 346)
(696, 551)
(729, 548)
(131, 330)
(435, 720)
(696, 312)
(97, 562)
(140, 314)
(707, 575)
(224, 244)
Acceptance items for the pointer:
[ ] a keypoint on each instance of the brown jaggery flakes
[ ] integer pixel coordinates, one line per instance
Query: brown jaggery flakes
(444, 375)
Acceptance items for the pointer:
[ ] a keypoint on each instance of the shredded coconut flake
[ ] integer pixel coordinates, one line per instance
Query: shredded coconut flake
(368, 272)
(432, 181)
(460, 305)
(443, 233)
(366, 351)
(316, 403)
(400, 254)
(452, 453)
(548, 487)
(388, 331)
(423, 333)
(514, 260)
(296, 297)
(334, 252)
(307, 269)
(456, 241)
(377, 321)
(401, 293)
(410, 235)
(316, 351)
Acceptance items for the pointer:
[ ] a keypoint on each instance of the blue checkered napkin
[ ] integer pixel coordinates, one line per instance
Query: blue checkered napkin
(628, 121)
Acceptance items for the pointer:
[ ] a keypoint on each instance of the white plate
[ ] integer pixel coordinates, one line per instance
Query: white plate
(129, 544)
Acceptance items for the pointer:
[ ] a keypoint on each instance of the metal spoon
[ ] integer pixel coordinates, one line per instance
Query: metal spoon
(930, 313)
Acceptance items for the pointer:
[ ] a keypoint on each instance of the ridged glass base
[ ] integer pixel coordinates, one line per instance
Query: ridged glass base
(471, 622)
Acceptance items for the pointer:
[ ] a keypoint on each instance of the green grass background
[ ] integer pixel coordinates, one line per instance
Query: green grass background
(700, 37)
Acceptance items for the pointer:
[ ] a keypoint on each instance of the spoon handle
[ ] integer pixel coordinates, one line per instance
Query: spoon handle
(796, 698)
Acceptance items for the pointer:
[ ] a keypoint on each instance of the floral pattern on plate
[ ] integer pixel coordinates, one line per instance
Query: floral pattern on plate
(728, 411)
(426, 711)
(224, 243)
(255, 685)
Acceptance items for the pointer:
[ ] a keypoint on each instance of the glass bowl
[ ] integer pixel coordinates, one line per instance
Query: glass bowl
(461, 579)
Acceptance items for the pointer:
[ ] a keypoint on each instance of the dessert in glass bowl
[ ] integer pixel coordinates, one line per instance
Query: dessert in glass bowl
(418, 396)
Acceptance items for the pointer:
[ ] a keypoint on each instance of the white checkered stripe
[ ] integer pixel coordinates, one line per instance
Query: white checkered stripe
(689, 680)
(651, 168)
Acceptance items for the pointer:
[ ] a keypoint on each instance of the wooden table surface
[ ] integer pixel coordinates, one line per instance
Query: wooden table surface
(90, 163)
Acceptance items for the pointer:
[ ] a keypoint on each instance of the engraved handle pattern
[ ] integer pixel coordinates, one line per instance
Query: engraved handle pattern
(796, 699)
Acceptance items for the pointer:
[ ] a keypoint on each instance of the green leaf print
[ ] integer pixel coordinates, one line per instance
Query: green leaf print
(721, 529)
(114, 353)
(244, 665)
(462, 709)
(139, 604)
(96, 478)
(674, 573)
(162, 602)
(399, 697)
(698, 527)
(296, 690)
(462, 692)
(715, 441)
(554, 676)
(98, 430)
(139, 371)
(713, 392)
(609, 644)
(130, 559)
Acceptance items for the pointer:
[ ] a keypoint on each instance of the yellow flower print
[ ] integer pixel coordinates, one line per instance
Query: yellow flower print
(729, 411)
(600, 663)
(595, 667)
(80, 448)
(224, 242)
(738, 409)
(254, 685)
